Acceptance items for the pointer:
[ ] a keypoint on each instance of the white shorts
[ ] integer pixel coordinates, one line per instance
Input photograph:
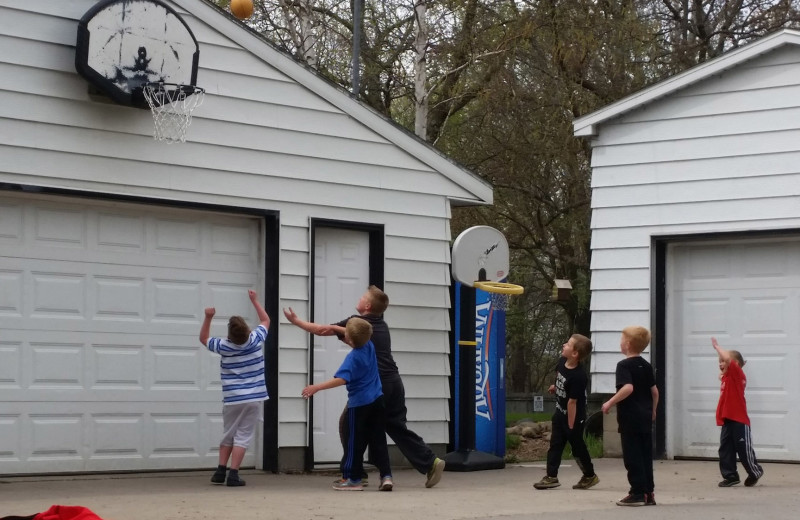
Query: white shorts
(239, 423)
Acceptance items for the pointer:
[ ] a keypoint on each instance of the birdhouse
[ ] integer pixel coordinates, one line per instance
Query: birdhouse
(561, 290)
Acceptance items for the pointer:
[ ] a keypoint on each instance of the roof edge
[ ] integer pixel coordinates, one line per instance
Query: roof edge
(588, 125)
(238, 32)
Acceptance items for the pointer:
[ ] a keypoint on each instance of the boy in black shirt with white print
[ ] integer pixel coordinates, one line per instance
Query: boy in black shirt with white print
(570, 415)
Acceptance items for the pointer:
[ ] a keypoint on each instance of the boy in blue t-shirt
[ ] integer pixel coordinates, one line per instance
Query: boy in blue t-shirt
(366, 412)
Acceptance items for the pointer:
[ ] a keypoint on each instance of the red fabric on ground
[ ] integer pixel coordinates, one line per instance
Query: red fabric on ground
(67, 513)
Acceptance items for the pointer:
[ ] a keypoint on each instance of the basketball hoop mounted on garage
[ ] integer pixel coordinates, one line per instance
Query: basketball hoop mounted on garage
(172, 106)
(142, 54)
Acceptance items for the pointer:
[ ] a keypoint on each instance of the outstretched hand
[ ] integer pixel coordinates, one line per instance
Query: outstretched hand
(290, 314)
(723, 354)
(308, 391)
(252, 294)
(210, 312)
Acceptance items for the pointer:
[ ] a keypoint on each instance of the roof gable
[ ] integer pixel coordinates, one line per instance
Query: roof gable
(308, 78)
(588, 124)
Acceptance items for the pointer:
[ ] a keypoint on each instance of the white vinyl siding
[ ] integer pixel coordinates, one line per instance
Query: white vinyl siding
(262, 140)
(720, 155)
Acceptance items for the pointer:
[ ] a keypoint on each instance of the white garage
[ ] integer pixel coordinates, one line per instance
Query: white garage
(100, 365)
(696, 234)
(112, 243)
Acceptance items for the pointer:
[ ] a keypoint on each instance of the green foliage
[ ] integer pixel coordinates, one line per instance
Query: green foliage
(512, 441)
(511, 458)
(505, 81)
(593, 444)
(514, 418)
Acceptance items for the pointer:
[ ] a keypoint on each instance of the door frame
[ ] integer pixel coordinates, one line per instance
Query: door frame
(376, 237)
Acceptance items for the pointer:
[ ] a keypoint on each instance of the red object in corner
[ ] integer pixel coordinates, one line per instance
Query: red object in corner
(67, 513)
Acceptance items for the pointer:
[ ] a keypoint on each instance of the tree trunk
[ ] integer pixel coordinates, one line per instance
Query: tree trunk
(420, 72)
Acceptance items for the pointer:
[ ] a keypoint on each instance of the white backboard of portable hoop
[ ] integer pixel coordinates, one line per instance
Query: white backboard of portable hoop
(123, 44)
(480, 253)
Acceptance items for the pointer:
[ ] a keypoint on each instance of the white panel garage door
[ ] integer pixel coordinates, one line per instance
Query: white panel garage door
(747, 295)
(100, 309)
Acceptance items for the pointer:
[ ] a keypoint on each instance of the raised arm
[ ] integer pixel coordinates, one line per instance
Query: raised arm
(205, 328)
(723, 354)
(263, 317)
(313, 328)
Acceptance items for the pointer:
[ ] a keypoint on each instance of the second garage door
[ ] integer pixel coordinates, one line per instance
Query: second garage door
(746, 294)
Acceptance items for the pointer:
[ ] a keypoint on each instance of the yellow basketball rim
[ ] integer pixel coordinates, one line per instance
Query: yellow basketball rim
(500, 287)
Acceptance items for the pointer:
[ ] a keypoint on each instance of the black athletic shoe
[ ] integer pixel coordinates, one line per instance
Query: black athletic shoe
(219, 476)
(233, 479)
(235, 482)
(649, 499)
(751, 481)
(631, 500)
(728, 482)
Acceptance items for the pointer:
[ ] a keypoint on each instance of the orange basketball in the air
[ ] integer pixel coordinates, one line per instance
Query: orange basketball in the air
(242, 9)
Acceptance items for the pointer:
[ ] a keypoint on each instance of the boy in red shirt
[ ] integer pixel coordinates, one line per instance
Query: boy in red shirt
(735, 437)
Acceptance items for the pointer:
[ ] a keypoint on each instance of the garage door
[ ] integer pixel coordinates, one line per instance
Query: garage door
(100, 309)
(747, 295)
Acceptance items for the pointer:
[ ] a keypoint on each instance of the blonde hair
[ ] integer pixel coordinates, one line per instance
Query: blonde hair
(359, 331)
(638, 337)
(378, 301)
(582, 345)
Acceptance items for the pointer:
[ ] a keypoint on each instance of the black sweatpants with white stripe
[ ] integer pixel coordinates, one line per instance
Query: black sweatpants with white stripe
(735, 439)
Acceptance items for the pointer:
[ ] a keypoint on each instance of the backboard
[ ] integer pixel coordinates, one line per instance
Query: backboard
(480, 253)
(123, 44)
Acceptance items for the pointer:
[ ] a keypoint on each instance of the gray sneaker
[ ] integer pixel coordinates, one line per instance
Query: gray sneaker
(347, 485)
(547, 483)
(386, 484)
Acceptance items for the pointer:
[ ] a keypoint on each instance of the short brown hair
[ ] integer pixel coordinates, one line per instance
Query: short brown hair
(639, 337)
(735, 354)
(359, 331)
(378, 301)
(238, 331)
(582, 345)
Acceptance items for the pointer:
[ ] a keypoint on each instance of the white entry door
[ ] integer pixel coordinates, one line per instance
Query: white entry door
(341, 268)
(100, 308)
(746, 294)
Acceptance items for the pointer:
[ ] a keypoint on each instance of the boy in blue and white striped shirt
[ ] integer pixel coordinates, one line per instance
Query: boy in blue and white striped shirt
(243, 385)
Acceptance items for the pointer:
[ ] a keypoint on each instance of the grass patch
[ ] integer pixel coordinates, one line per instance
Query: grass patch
(512, 441)
(593, 444)
(513, 418)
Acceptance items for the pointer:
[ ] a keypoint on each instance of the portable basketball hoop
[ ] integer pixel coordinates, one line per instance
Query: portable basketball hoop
(499, 292)
(172, 106)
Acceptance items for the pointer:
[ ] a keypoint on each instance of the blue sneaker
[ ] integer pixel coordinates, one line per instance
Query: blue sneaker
(347, 485)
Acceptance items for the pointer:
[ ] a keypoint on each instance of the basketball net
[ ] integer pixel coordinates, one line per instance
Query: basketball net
(500, 293)
(172, 106)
